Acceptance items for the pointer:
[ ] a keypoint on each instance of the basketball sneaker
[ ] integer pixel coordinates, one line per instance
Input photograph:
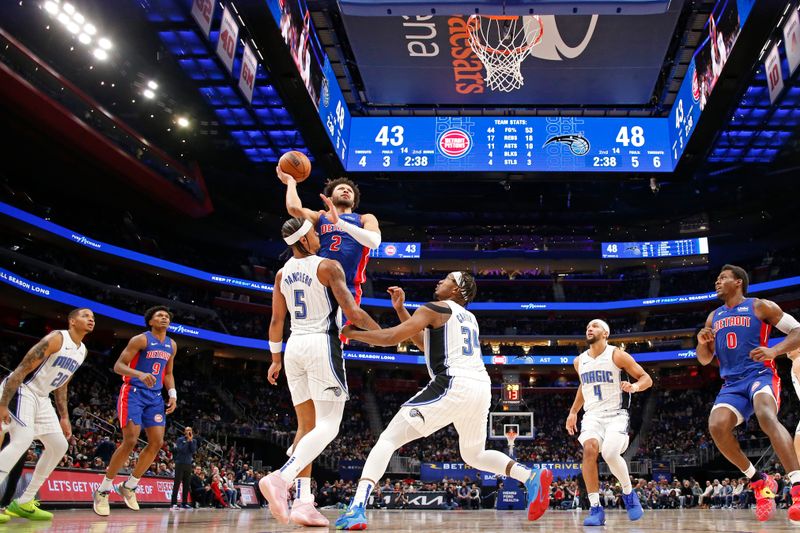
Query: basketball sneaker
(306, 514)
(633, 505)
(538, 489)
(764, 491)
(29, 510)
(794, 510)
(129, 495)
(352, 519)
(100, 503)
(276, 491)
(597, 517)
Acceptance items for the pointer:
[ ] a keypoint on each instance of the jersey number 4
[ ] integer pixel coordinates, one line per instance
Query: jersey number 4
(470, 341)
(598, 392)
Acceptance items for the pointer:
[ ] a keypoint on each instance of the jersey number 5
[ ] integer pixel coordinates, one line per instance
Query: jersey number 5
(299, 302)
(470, 341)
(337, 242)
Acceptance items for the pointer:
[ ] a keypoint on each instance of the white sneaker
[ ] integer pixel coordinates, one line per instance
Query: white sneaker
(100, 503)
(175, 507)
(128, 495)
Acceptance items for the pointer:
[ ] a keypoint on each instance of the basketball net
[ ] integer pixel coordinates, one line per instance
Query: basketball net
(502, 43)
(511, 436)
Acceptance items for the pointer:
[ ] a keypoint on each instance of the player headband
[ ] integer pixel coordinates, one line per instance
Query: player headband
(294, 237)
(459, 278)
(603, 325)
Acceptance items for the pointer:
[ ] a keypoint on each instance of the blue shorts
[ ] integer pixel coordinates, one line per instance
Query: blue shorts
(143, 407)
(737, 395)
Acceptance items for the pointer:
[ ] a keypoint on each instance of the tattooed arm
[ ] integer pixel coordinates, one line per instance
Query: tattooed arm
(62, 407)
(51, 343)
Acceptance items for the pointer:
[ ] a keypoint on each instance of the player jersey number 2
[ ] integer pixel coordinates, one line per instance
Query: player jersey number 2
(336, 243)
(470, 341)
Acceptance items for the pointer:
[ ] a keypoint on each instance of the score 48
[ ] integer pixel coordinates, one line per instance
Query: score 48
(637, 140)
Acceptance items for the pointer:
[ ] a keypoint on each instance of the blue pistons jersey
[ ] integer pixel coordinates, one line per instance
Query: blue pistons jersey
(342, 247)
(151, 360)
(737, 331)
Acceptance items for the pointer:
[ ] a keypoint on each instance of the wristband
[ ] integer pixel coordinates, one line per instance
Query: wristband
(276, 347)
(172, 393)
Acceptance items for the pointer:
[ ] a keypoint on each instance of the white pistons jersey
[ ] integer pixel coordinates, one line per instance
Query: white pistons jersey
(311, 305)
(600, 382)
(455, 349)
(56, 369)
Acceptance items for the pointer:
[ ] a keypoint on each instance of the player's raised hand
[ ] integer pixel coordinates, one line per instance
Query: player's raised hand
(273, 372)
(572, 423)
(66, 427)
(762, 353)
(629, 387)
(705, 336)
(398, 296)
(283, 176)
(331, 214)
(148, 379)
(172, 403)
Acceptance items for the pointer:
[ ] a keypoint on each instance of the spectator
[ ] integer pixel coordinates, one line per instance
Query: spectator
(183, 455)
(105, 449)
(475, 497)
(201, 491)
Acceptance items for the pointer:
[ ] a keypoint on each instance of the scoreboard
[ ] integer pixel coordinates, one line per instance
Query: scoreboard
(638, 250)
(524, 144)
(396, 250)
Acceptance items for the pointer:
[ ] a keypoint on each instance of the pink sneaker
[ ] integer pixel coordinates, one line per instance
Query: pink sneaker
(276, 491)
(306, 514)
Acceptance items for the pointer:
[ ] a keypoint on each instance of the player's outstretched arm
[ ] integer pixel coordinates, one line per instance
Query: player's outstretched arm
(771, 313)
(398, 302)
(276, 323)
(369, 235)
(422, 318)
(293, 203)
(705, 342)
(623, 360)
(572, 418)
(169, 381)
(123, 364)
(331, 275)
(49, 344)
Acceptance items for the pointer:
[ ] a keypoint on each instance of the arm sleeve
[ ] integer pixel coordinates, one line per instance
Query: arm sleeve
(370, 239)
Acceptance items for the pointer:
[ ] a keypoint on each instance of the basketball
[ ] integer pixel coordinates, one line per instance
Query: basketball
(296, 164)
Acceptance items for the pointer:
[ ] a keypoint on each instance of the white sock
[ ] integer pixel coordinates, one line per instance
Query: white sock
(106, 486)
(750, 471)
(594, 499)
(794, 476)
(363, 491)
(131, 483)
(520, 472)
(302, 490)
(55, 446)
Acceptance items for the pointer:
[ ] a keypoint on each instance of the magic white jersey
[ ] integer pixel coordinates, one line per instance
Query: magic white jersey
(455, 349)
(600, 383)
(311, 304)
(57, 368)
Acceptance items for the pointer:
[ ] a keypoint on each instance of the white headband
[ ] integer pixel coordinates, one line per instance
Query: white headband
(459, 279)
(603, 325)
(294, 237)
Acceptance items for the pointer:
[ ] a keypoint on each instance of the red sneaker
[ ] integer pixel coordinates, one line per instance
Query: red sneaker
(794, 510)
(763, 489)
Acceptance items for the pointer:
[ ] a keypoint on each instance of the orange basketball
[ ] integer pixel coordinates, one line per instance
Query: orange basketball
(296, 164)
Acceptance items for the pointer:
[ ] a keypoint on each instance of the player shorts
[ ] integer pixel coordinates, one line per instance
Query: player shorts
(601, 425)
(737, 395)
(143, 407)
(315, 369)
(461, 401)
(33, 411)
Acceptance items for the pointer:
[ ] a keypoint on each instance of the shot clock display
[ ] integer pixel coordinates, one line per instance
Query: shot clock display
(511, 393)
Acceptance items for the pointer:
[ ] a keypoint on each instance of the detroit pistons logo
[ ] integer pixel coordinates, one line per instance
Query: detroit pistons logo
(158, 418)
(454, 143)
(695, 86)
(755, 386)
(390, 250)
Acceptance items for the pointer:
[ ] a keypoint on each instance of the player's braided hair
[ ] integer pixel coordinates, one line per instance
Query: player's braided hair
(330, 185)
(289, 227)
(738, 273)
(468, 287)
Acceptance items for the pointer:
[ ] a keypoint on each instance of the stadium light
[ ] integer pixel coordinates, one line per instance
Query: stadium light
(84, 39)
(100, 54)
(152, 84)
(51, 7)
(147, 93)
(90, 29)
(183, 122)
(104, 43)
(68, 8)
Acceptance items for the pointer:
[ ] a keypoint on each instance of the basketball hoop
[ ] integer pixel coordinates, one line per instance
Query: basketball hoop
(502, 43)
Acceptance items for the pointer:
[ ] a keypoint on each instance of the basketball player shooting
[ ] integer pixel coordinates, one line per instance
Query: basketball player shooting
(737, 333)
(145, 366)
(312, 289)
(605, 398)
(27, 413)
(459, 393)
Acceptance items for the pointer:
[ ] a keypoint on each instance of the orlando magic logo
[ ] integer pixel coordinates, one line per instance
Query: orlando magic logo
(415, 413)
(337, 391)
(578, 144)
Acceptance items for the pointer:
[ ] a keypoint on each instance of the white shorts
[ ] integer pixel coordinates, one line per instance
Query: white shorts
(315, 368)
(600, 425)
(461, 401)
(32, 411)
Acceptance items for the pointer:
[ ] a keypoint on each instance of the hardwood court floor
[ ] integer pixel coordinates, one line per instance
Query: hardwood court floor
(158, 520)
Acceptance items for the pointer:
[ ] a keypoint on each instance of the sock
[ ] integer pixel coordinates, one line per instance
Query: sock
(794, 476)
(106, 486)
(302, 490)
(24, 502)
(520, 473)
(749, 472)
(131, 483)
(594, 499)
(627, 486)
(362, 493)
